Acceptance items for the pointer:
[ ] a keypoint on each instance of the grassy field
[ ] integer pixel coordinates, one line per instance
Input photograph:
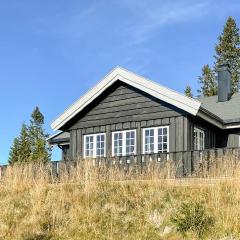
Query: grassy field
(107, 205)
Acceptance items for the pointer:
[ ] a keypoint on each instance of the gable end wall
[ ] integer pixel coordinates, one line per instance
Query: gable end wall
(123, 107)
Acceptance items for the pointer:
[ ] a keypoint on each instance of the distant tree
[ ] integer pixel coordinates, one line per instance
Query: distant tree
(40, 151)
(14, 151)
(208, 83)
(228, 50)
(25, 146)
(188, 91)
(21, 150)
(31, 145)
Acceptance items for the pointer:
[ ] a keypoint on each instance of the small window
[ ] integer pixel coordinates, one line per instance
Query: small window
(95, 145)
(124, 143)
(156, 140)
(199, 139)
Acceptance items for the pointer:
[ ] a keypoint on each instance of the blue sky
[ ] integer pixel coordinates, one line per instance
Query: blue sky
(51, 52)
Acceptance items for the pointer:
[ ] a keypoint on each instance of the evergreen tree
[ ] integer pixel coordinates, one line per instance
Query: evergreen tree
(14, 152)
(228, 50)
(31, 145)
(39, 147)
(24, 145)
(21, 150)
(207, 82)
(188, 91)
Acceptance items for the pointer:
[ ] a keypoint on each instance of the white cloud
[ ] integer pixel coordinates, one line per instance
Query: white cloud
(152, 15)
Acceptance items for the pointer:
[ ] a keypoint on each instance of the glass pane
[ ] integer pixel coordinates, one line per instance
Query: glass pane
(130, 142)
(149, 141)
(100, 146)
(117, 144)
(89, 146)
(164, 131)
(162, 139)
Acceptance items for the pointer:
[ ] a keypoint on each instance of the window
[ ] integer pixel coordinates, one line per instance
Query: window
(156, 140)
(95, 145)
(124, 143)
(199, 139)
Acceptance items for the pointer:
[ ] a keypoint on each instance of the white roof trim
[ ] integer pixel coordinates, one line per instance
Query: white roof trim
(210, 120)
(217, 123)
(53, 136)
(167, 95)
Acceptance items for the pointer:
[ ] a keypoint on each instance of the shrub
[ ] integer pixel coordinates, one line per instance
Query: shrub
(192, 217)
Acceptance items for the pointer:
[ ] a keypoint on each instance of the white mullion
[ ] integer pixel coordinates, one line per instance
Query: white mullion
(105, 145)
(94, 145)
(144, 141)
(113, 144)
(135, 142)
(124, 143)
(155, 132)
(168, 147)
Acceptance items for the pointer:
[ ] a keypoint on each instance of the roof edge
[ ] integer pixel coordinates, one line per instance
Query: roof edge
(172, 97)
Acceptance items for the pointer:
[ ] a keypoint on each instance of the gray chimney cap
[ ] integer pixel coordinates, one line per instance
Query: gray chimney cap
(223, 66)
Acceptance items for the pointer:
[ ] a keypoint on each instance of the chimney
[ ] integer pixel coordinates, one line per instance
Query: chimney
(224, 82)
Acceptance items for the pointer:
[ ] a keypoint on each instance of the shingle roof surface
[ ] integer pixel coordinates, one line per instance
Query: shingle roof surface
(228, 111)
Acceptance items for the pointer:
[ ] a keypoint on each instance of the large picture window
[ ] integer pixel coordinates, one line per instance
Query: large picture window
(199, 139)
(124, 143)
(156, 140)
(95, 145)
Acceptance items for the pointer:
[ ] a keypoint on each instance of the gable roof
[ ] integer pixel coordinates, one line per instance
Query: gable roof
(189, 105)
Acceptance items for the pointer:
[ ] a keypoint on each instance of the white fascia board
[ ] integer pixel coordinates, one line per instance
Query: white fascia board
(176, 99)
(53, 136)
(217, 123)
(232, 126)
(165, 94)
(210, 119)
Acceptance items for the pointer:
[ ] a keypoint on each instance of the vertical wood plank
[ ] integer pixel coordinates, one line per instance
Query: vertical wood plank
(139, 138)
(79, 143)
(185, 134)
(172, 135)
(108, 141)
(179, 133)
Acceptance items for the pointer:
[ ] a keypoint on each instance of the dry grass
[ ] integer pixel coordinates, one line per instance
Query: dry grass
(89, 203)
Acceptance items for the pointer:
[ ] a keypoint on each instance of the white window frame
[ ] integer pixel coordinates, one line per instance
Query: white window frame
(155, 139)
(94, 145)
(198, 131)
(124, 142)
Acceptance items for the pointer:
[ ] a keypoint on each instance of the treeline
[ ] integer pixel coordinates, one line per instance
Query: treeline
(227, 50)
(31, 144)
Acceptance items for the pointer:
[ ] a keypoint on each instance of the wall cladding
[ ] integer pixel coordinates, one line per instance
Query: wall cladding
(124, 107)
(123, 103)
(178, 134)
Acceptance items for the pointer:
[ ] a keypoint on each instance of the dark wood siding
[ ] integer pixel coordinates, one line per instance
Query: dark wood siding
(210, 132)
(123, 103)
(214, 137)
(178, 134)
(123, 107)
(65, 152)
